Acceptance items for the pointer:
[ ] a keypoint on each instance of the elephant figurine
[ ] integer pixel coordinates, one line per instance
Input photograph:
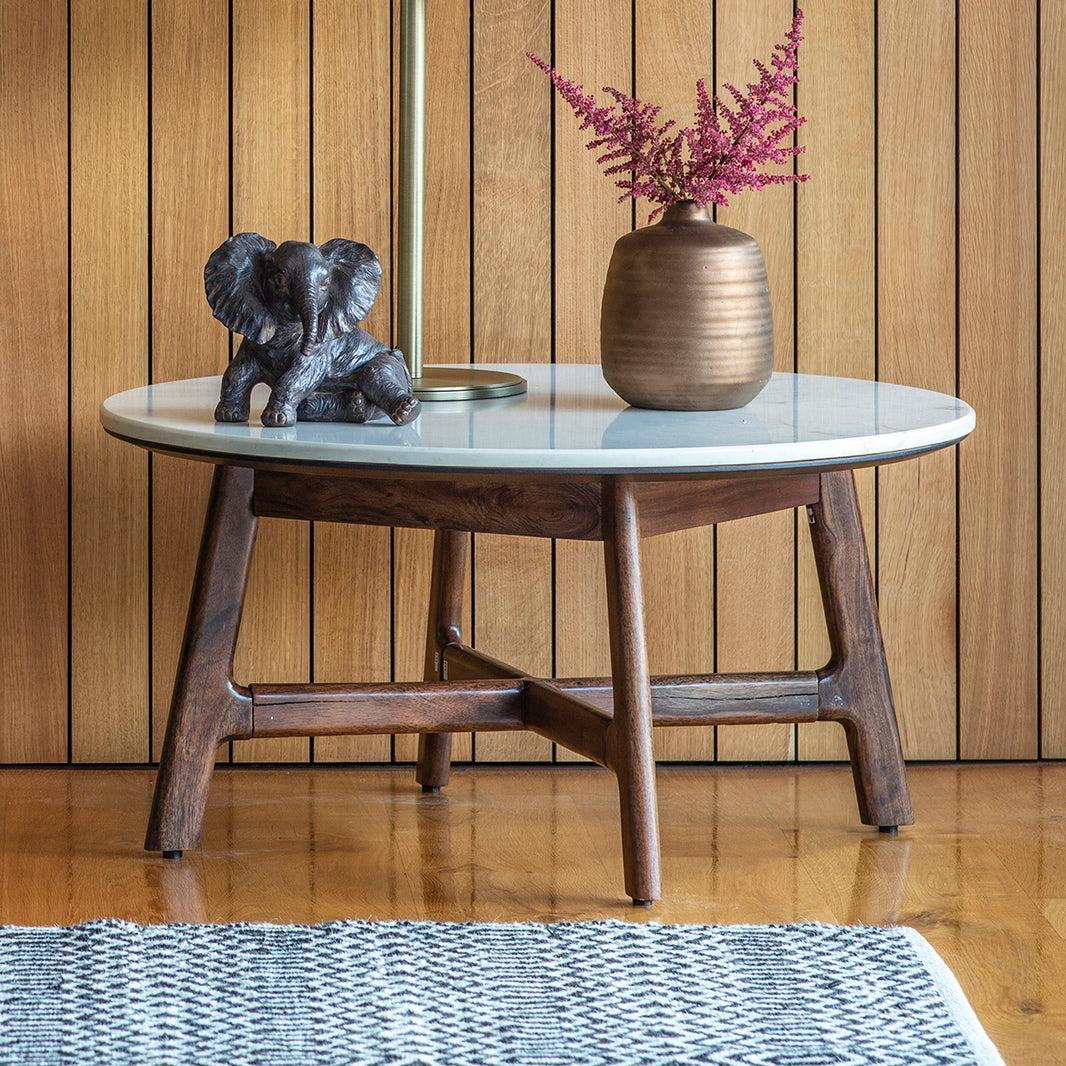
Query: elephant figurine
(298, 307)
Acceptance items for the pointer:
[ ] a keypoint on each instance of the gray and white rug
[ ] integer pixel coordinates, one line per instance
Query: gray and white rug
(438, 994)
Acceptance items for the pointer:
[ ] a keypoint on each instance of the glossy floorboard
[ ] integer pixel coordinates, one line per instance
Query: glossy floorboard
(982, 875)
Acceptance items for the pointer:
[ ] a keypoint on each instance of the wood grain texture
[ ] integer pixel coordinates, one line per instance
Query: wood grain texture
(1052, 384)
(421, 707)
(446, 307)
(675, 49)
(968, 880)
(444, 630)
(869, 275)
(179, 496)
(412, 575)
(764, 845)
(593, 46)
(854, 688)
(33, 379)
(755, 625)
(449, 178)
(109, 352)
(190, 150)
(998, 708)
(512, 184)
(582, 644)
(628, 741)
(679, 622)
(207, 708)
(734, 698)
(668, 506)
(271, 196)
(512, 312)
(836, 260)
(538, 507)
(572, 724)
(352, 612)
(916, 346)
(352, 568)
(512, 621)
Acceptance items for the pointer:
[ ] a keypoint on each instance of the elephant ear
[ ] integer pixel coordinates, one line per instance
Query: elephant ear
(233, 281)
(353, 288)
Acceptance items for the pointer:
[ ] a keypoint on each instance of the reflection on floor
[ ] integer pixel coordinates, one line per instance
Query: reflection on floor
(982, 875)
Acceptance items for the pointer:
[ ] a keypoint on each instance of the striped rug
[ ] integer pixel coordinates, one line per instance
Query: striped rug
(439, 994)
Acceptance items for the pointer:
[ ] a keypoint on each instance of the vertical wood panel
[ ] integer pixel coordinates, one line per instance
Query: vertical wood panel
(512, 315)
(756, 556)
(190, 150)
(449, 177)
(997, 374)
(512, 620)
(593, 46)
(412, 572)
(835, 280)
(271, 127)
(1053, 377)
(33, 381)
(352, 172)
(674, 48)
(109, 353)
(512, 184)
(916, 346)
(840, 291)
(446, 309)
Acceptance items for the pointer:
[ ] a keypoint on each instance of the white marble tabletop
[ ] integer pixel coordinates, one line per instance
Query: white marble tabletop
(569, 420)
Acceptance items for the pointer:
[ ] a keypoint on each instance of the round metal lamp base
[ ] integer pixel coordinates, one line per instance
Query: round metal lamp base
(466, 383)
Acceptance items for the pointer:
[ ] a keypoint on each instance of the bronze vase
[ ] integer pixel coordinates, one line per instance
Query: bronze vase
(686, 322)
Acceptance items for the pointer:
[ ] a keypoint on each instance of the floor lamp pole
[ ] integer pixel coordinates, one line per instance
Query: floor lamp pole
(457, 381)
(409, 269)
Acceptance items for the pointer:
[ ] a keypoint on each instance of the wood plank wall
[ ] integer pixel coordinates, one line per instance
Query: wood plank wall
(927, 248)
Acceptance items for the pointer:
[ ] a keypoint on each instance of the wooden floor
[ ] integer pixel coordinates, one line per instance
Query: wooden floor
(982, 875)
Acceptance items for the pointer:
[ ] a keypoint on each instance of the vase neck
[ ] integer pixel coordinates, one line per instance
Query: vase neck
(686, 211)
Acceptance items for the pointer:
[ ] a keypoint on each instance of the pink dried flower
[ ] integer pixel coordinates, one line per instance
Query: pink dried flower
(707, 163)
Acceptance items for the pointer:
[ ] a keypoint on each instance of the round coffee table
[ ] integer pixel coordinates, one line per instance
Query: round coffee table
(567, 459)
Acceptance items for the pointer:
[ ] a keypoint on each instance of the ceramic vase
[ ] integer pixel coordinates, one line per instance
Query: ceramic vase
(686, 322)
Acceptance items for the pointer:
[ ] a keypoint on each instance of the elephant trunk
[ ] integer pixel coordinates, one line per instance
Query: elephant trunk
(307, 307)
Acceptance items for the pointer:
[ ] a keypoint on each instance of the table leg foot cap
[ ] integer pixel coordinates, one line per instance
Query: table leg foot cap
(890, 830)
(643, 902)
(171, 854)
(430, 789)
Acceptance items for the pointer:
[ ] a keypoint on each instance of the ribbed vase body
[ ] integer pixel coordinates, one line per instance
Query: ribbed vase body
(686, 322)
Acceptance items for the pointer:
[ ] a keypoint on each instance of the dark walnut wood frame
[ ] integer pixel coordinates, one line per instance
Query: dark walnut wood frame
(608, 720)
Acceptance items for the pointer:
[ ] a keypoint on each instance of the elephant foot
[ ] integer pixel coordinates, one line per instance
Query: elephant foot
(350, 406)
(357, 408)
(227, 412)
(406, 409)
(279, 416)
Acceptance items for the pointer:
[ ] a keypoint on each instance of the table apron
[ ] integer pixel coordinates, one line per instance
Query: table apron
(553, 505)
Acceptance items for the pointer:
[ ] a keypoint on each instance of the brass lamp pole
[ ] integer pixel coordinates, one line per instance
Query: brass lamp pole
(455, 382)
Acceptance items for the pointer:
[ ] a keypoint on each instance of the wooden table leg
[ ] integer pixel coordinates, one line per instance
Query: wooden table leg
(629, 747)
(443, 628)
(206, 707)
(854, 687)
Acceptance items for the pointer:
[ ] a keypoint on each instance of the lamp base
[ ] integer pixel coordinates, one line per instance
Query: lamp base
(460, 382)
